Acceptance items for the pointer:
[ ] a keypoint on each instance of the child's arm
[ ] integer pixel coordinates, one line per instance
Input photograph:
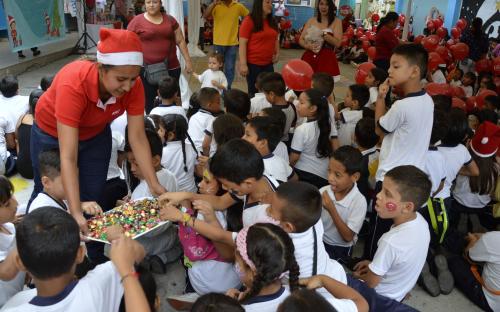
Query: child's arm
(344, 231)
(337, 289)
(471, 169)
(363, 272)
(294, 157)
(8, 267)
(218, 202)
(207, 140)
(380, 107)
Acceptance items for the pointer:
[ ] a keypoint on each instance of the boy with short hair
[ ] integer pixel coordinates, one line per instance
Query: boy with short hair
(259, 102)
(402, 251)
(168, 91)
(265, 136)
(202, 120)
(366, 139)
(12, 104)
(357, 96)
(344, 205)
(278, 118)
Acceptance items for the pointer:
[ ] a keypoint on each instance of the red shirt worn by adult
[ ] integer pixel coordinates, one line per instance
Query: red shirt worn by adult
(158, 41)
(261, 45)
(73, 100)
(385, 42)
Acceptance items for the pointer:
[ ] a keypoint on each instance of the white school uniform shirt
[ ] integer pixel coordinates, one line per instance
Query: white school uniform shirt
(166, 179)
(197, 126)
(469, 91)
(6, 126)
(435, 167)
(348, 120)
(119, 124)
(7, 244)
(117, 145)
(304, 142)
(277, 167)
(351, 209)
(400, 257)
(100, 291)
(210, 132)
(266, 303)
(258, 103)
(487, 250)
(455, 157)
(463, 195)
(408, 126)
(289, 110)
(438, 77)
(173, 160)
(15, 106)
(208, 75)
(282, 151)
(373, 97)
(169, 109)
(45, 200)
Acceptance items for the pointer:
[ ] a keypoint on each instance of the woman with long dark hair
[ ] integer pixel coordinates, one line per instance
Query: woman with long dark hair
(321, 35)
(386, 40)
(476, 39)
(259, 43)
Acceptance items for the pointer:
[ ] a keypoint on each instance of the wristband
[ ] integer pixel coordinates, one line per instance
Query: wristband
(131, 274)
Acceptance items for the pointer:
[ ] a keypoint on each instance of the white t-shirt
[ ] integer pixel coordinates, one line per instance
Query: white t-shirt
(6, 126)
(197, 126)
(45, 200)
(435, 168)
(209, 131)
(166, 179)
(304, 142)
(279, 9)
(373, 97)
(173, 160)
(400, 257)
(469, 90)
(282, 151)
(7, 243)
(463, 194)
(277, 167)
(16, 106)
(209, 75)
(100, 291)
(408, 126)
(172, 109)
(438, 77)
(117, 144)
(119, 124)
(257, 211)
(258, 103)
(348, 121)
(267, 303)
(351, 209)
(455, 158)
(487, 249)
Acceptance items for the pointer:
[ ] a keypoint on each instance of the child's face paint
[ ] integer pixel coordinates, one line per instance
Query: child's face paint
(391, 207)
(388, 203)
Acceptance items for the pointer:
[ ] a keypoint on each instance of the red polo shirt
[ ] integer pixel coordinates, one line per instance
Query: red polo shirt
(73, 100)
(385, 42)
(261, 45)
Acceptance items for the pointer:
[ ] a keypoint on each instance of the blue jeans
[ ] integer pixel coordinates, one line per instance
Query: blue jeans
(229, 53)
(253, 72)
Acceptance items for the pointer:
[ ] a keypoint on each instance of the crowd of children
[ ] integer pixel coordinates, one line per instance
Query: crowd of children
(271, 194)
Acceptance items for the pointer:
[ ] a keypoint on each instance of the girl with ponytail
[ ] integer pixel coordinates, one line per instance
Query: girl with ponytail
(311, 145)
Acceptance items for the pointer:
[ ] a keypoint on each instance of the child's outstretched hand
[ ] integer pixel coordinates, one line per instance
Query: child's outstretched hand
(124, 253)
(170, 212)
(313, 282)
(173, 197)
(383, 89)
(91, 208)
(114, 232)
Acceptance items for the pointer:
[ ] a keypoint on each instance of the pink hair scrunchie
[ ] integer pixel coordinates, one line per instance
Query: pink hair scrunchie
(241, 246)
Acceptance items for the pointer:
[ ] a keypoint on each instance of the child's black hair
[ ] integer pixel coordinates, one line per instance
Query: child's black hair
(493, 100)
(324, 148)
(178, 125)
(490, 85)
(6, 190)
(236, 161)
(156, 121)
(258, 80)
(227, 127)
(154, 141)
(277, 116)
(148, 285)
(304, 204)
(9, 86)
(439, 126)
(273, 82)
(379, 74)
(194, 105)
(49, 163)
(472, 76)
(207, 95)
(350, 157)
(149, 123)
(457, 127)
(33, 100)
(415, 54)
(215, 302)
(488, 115)
(48, 240)
(364, 133)
(412, 183)
(442, 102)
(266, 130)
(237, 102)
(271, 250)
(305, 300)
(360, 93)
(168, 87)
(46, 81)
(324, 83)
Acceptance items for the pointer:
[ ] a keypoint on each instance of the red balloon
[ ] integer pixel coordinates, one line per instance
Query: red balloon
(375, 17)
(443, 52)
(297, 75)
(496, 66)
(438, 88)
(430, 43)
(402, 20)
(437, 23)
(397, 32)
(483, 66)
(434, 61)
(461, 24)
(470, 104)
(372, 52)
(365, 44)
(459, 51)
(482, 95)
(457, 92)
(371, 36)
(430, 25)
(458, 103)
(450, 42)
(362, 72)
(455, 32)
(441, 32)
(418, 39)
(286, 13)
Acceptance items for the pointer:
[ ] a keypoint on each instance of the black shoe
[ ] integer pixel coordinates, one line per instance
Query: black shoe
(20, 54)
(36, 52)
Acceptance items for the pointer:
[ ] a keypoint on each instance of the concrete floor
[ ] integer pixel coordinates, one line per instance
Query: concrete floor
(419, 299)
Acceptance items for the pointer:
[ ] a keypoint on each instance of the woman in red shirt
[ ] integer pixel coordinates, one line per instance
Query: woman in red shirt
(160, 35)
(259, 43)
(74, 116)
(386, 40)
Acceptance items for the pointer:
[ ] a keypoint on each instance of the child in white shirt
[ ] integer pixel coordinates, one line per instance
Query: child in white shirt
(278, 118)
(169, 92)
(456, 76)
(199, 123)
(7, 141)
(259, 102)
(438, 75)
(468, 83)
(376, 76)
(357, 96)
(213, 77)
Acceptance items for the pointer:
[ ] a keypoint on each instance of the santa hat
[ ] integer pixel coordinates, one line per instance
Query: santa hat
(11, 20)
(486, 140)
(119, 47)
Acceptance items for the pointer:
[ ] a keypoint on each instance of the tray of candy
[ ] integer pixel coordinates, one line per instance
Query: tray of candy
(137, 218)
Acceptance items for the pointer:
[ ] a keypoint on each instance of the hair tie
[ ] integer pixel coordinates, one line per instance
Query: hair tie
(152, 121)
(241, 246)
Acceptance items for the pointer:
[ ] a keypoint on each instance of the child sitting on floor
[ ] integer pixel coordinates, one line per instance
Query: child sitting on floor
(169, 92)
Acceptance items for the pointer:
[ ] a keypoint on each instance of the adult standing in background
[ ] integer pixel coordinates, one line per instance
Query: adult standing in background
(476, 39)
(226, 15)
(259, 43)
(321, 35)
(160, 35)
(386, 40)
